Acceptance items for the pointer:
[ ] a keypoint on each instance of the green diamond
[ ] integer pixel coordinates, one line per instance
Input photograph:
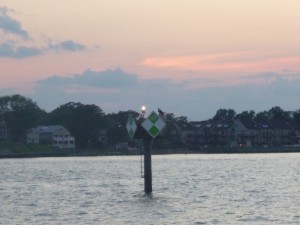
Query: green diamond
(154, 131)
(153, 117)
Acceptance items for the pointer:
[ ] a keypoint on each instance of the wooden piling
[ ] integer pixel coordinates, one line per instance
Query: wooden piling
(148, 142)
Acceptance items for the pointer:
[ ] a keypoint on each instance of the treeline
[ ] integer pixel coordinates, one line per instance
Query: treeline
(85, 120)
(274, 114)
(82, 120)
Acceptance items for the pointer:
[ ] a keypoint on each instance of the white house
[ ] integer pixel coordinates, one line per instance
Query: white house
(56, 136)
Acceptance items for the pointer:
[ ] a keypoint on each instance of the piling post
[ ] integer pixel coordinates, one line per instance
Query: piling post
(147, 165)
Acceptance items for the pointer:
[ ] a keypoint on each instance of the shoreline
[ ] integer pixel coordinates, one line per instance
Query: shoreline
(92, 153)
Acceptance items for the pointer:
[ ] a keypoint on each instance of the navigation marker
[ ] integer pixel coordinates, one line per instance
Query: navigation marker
(131, 126)
(154, 124)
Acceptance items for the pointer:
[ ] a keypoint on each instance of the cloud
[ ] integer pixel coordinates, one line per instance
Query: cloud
(19, 49)
(7, 50)
(12, 50)
(218, 61)
(241, 61)
(115, 90)
(11, 26)
(116, 78)
(68, 45)
(71, 46)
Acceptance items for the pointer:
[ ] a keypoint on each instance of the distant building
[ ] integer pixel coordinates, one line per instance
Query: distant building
(213, 133)
(56, 136)
(122, 145)
(3, 130)
(102, 136)
(244, 133)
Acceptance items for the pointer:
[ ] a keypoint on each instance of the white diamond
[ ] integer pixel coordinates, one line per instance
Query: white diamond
(160, 124)
(147, 124)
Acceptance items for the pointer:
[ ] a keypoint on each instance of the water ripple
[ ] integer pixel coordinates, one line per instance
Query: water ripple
(187, 189)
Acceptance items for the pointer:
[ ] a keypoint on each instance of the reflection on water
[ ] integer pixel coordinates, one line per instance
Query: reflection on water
(187, 189)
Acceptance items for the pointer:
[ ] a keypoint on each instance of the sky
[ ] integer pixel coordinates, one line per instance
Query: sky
(187, 57)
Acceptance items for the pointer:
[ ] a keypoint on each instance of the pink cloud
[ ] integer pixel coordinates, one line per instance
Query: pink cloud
(249, 62)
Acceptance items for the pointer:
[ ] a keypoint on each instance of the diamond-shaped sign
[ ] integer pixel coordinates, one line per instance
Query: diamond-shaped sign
(131, 126)
(153, 124)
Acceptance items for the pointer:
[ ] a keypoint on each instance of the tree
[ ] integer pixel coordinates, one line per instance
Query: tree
(116, 124)
(276, 113)
(169, 116)
(225, 115)
(246, 116)
(262, 117)
(83, 121)
(181, 120)
(20, 114)
(296, 118)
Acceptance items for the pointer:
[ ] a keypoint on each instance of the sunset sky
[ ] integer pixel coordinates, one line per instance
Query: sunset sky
(188, 57)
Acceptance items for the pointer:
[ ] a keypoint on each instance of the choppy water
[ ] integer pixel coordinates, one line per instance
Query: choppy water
(187, 189)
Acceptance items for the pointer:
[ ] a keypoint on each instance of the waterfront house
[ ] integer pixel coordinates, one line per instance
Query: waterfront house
(203, 133)
(56, 136)
(213, 133)
(222, 133)
(245, 133)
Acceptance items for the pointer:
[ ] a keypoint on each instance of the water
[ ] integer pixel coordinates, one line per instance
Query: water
(187, 189)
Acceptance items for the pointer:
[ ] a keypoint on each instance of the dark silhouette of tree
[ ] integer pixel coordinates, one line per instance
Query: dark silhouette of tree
(180, 120)
(246, 116)
(20, 114)
(225, 115)
(81, 120)
(276, 113)
(262, 117)
(296, 118)
(116, 125)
